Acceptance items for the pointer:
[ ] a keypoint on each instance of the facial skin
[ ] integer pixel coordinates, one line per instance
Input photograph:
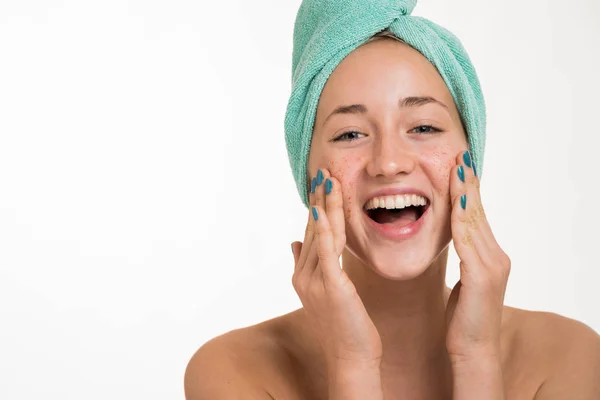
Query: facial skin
(385, 148)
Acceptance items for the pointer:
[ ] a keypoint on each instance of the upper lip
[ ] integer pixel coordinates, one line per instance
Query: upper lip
(396, 190)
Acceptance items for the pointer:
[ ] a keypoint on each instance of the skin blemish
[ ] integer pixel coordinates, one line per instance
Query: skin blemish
(442, 160)
(349, 208)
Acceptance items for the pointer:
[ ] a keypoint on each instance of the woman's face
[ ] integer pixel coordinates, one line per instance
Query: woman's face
(401, 136)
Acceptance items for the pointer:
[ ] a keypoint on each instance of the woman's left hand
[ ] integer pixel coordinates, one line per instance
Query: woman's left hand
(474, 310)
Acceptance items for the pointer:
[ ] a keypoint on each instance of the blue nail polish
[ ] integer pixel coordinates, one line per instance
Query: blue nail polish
(315, 213)
(313, 185)
(328, 186)
(319, 177)
(461, 173)
(474, 169)
(463, 201)
(467, 158)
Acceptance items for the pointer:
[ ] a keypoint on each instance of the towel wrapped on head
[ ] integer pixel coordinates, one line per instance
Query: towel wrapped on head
(326, 31)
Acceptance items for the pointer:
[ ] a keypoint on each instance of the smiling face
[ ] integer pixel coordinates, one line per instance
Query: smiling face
(386, 125)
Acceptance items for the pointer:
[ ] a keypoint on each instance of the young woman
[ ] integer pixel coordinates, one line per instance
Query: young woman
(391, 182)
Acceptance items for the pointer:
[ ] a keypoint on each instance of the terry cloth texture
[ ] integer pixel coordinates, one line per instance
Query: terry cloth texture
(326, 31)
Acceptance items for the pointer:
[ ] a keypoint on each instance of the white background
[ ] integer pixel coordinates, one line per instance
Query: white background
(146, 200)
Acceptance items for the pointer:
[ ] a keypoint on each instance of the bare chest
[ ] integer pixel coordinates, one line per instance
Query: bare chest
(295, 380)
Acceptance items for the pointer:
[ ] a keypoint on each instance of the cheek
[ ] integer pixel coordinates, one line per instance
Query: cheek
(346, 170)
(439, 163)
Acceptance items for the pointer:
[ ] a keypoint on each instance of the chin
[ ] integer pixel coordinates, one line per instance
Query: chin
(397, 257)
(398, 263)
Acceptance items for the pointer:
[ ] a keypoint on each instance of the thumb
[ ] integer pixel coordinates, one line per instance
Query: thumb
(296, 249)
(452, 301)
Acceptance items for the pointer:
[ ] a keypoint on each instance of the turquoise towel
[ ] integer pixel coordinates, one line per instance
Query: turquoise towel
(326, 31)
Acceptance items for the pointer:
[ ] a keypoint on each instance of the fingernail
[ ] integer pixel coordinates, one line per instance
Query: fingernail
(467, 158)
(474, 169)
(319, 177)
(463, 201)
(461, 173)
(315, 213)
(328, 186)
(313, 185)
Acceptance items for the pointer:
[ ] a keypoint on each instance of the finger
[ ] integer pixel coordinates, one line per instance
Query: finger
(452, 302)
(311, 258)
(334, 203)
(328, 258)
(466, 236)
(466, 243)
(310, 226)
(306, 273)
(320, 188)
(470, 183)
(464, 182)
(492, 257)
(296, 250)
(298, 278)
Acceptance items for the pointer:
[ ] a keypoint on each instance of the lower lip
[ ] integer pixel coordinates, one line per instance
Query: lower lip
(392, 232)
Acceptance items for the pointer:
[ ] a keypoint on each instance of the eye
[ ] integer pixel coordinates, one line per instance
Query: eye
(425, 129)
(347, 136)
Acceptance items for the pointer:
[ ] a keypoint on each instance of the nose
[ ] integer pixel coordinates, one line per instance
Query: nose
(391, 156)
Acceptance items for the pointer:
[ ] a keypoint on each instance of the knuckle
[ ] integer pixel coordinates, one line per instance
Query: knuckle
(466, 239)
(296, 284)
(479, 211)
(321, 229)
(485, 259)
(473, 181)
(300, 284)
(322, 253)
(334, 201)
(505, 262)
(472, 220)
(310, 229)
(456, 200)
(475, 217)
(319, 193)
(340, 243)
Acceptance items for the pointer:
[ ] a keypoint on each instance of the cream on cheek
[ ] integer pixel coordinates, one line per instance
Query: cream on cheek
(438, 163)
(345, 169)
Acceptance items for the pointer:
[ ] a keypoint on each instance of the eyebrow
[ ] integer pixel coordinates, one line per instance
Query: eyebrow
(411, 101)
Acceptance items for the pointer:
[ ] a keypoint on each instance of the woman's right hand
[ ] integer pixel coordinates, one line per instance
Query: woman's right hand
(332, 305)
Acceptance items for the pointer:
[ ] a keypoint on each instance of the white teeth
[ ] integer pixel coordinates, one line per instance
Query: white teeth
(390, 203)
(400, 203)
(396, 201)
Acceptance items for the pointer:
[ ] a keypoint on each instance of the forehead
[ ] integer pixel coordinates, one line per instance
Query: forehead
(381, 72)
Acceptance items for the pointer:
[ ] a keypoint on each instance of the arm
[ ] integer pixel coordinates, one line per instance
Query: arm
(576, 371)
(215, 372)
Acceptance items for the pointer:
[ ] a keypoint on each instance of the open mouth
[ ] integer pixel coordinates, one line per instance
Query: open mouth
(399, 210)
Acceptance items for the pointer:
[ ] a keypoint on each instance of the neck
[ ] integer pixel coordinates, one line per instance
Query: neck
(409, 315)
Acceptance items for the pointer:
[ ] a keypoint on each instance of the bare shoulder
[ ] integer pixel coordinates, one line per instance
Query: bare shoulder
(565, 351)
(226, 367)
(274, 359)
